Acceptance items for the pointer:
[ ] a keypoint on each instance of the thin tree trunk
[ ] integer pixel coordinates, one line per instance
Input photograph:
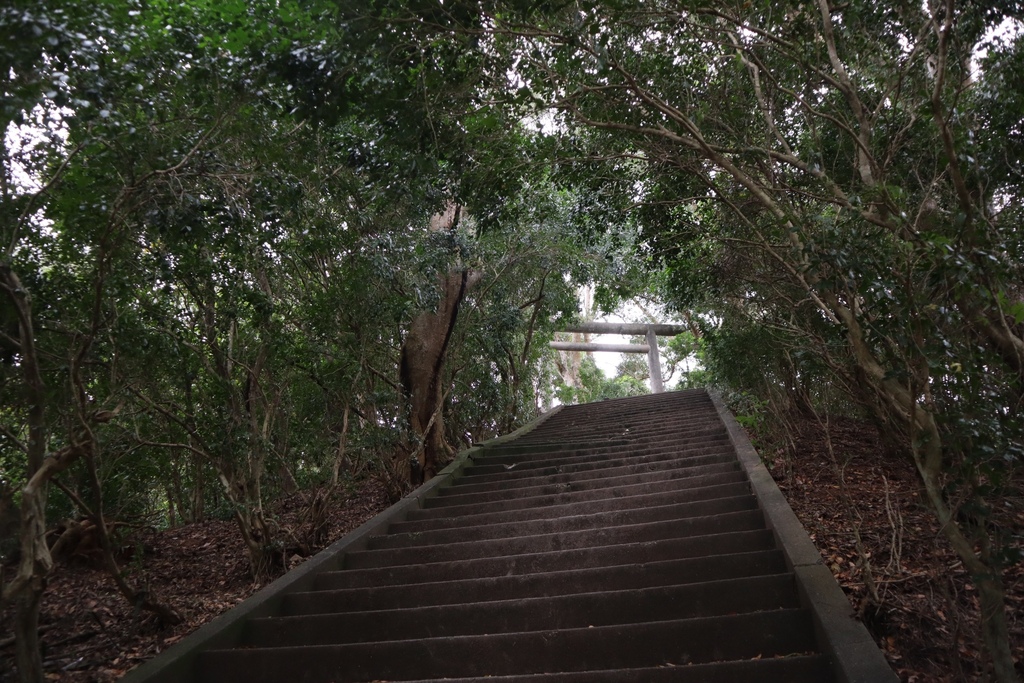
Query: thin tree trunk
(991, 595)
(339, 458)
(172, 517)
(197, 506)
(256, 534)
(928, 453)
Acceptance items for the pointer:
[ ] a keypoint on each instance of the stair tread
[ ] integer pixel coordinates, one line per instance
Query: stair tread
(557, 486)
(564, 493)
(612, 517)
(434, 518)
(663, 643)
(744, 520)
(555, 475)
(789, 669)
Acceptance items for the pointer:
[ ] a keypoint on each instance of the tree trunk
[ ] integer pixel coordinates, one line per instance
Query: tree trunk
(197, 509)
(928, 457)
(257, 536)
(339, 458)
(422, 365)
(140, 599)
(252, 524)
(423, 355)
(26, 628)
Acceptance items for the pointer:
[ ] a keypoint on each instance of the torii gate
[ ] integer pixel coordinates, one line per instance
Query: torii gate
(651, 331)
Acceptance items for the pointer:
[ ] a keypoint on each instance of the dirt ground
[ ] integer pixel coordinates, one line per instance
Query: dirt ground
(927, 621)
(91, 635)
(926, 624)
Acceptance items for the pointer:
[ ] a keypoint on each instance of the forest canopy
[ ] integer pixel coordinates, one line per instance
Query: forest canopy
(251, 246)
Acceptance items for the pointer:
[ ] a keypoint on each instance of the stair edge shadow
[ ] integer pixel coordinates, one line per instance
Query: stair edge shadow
(176, 664)
(854, 655)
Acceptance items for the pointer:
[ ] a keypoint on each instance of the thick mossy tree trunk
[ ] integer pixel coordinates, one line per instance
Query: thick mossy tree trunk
(422, 368)
(423, 356)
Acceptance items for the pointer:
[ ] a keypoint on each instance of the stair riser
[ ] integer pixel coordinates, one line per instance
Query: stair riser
(598, 414)
(552, 475)
(640, 446)
(451, 507)
(484, 474)
(449, 589)
(530, 468)
(601, 429)
(610, 428)
(636, 533)
(792, 669)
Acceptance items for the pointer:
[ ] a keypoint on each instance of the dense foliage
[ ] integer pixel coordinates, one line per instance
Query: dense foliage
(220, 235)
(836, 189)
(208, 278)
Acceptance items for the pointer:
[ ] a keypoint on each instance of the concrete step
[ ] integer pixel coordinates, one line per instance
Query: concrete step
(453, 495)
(568, 437)
(564, 445)
(632, 533)
(665, 643)
(788, 669)
(602, 426)
(681, 401)
(577, 610)
(486, 471)
(452, 505)
(449, 517)
(437, 589)
(483, 472)
(565, 523)
(702, 558)
(620, 467)
(568, 447)
(607, 426)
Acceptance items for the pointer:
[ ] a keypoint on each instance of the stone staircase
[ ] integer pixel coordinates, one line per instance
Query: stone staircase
(614, 542)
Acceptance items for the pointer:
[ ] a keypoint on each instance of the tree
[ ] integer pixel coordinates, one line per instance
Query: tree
(424, 351)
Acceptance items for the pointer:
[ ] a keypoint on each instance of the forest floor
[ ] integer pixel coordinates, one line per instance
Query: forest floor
(925, 617)
(91, 635)
(925, 624)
